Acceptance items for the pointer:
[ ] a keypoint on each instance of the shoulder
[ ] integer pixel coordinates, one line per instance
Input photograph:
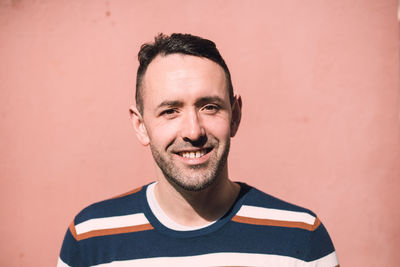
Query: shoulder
(261, 208)
(256, 197)
(123, 213)
(297, 230)
(120, 205)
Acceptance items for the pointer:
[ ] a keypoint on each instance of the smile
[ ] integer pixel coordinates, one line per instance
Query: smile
(194, 154)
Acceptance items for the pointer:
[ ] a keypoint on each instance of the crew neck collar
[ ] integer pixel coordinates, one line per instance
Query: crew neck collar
(161, 222)
(163, 217)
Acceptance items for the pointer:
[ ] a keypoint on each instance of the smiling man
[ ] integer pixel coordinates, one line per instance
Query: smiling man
(193, 215)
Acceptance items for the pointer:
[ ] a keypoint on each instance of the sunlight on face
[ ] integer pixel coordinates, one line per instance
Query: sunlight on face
(187, 115)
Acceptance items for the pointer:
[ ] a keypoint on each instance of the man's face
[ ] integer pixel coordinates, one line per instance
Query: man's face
(187, 119)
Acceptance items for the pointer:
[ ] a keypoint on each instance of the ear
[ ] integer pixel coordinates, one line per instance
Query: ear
(236, 114)
(138, 125)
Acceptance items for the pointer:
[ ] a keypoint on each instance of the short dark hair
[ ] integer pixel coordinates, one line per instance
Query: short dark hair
(177, 43)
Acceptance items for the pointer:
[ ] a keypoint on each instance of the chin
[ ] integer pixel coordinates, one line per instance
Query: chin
(192, 187)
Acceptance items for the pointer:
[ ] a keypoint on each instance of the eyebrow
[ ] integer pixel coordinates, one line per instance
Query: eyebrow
(170, 103)
(200, 101)
(210, 99)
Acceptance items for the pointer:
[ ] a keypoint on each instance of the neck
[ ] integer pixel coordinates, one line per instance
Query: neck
(196, 208)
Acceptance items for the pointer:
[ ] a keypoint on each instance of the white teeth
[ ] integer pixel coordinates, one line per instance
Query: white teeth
(193, 155)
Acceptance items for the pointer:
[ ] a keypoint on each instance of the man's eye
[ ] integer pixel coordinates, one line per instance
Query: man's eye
(211, 108)
(168, 112)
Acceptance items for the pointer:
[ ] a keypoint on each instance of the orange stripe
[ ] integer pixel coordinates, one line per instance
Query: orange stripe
(114, 231)
(129, 192)
(72, 230)
(316, 224)
(302, 225)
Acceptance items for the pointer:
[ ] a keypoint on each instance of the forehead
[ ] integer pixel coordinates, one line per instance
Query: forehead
(179, 76)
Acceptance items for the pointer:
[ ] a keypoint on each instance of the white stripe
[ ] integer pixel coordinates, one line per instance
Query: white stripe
(60, 263)
(111, 222)
(226, 259)
(328, 260)
(275, 214)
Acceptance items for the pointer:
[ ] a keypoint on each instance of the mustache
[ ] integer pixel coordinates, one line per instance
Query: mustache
(201, 143)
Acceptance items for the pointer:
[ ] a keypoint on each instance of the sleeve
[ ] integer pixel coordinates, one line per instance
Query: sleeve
(70, 255)
(321, 250)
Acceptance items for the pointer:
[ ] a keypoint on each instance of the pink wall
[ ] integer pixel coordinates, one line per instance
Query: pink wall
(319, 81)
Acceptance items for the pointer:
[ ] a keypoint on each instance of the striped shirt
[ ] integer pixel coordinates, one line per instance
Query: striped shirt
(259, 230)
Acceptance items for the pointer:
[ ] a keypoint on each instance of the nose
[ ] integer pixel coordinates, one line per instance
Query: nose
(192, 129)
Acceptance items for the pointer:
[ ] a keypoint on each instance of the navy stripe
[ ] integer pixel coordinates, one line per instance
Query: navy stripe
(124, 205)
(247, 239)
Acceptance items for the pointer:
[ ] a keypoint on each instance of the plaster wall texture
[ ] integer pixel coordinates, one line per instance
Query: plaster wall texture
(320, 127)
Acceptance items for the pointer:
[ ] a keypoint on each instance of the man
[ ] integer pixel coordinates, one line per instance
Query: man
(193, 215)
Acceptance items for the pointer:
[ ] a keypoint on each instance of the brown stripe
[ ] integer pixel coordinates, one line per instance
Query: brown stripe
(72, 230)
(302, 225)
(129, 192)
(316, 224)
(114, 231)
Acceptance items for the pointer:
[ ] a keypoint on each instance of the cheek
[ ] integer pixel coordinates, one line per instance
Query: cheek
(162, 134)
(218, 128)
